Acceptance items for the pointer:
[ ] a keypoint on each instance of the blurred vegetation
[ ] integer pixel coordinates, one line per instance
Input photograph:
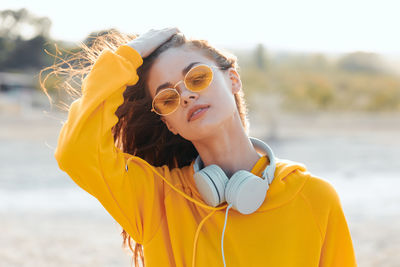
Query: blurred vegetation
(356, 81)
(22, 38)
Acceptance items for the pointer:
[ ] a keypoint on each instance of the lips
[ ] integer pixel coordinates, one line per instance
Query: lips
(194, 110)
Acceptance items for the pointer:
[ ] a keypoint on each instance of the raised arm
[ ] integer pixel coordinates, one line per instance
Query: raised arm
(86, 149)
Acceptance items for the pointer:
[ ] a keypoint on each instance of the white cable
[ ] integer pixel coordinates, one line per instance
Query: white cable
(223, 233)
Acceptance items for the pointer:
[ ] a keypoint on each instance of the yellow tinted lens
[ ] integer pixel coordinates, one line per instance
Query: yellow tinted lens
(166, 101)
(198, 78)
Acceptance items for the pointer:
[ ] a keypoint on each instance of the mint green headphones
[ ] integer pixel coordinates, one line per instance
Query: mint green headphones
(245, 191)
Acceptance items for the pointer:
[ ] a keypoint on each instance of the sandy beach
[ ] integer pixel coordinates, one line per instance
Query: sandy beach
(47, 220)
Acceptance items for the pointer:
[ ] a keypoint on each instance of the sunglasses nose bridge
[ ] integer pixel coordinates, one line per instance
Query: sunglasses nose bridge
(176, 86)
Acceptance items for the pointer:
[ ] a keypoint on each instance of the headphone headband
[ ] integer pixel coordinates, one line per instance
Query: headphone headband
(261, 148)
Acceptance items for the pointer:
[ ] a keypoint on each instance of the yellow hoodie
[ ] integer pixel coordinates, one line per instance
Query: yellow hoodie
(300, 223)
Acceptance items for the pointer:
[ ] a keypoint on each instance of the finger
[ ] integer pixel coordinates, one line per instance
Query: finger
(172, 30)
(168, 33)
(175, 29)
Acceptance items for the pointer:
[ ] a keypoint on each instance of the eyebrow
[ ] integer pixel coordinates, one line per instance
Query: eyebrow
(184, 71)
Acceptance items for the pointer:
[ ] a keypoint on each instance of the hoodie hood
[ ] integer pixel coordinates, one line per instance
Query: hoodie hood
(289, 179)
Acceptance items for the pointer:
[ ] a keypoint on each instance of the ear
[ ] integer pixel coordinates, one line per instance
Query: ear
(169, 126)
(234, 77)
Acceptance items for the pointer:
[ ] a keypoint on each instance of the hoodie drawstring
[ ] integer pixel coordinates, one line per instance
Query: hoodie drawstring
(188, 198)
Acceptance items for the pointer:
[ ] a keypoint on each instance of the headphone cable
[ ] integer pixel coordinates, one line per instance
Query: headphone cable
(223, 233)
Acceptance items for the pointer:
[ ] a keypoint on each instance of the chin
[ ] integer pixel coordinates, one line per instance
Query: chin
(203, 129)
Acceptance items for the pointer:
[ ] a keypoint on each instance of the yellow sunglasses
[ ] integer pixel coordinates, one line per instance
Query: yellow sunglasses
(196, 79)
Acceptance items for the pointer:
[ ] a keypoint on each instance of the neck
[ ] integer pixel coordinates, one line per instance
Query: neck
(228, 147)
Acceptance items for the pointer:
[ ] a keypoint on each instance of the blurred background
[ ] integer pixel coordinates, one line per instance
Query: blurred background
(321, 78)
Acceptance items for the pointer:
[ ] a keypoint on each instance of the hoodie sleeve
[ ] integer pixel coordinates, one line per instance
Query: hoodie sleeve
(86, 149)
(337, 249)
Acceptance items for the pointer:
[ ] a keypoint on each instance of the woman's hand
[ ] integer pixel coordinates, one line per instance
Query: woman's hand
(146, 43)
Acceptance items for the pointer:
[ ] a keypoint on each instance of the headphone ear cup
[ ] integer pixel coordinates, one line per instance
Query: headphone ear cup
(211, 182)
(246, 191)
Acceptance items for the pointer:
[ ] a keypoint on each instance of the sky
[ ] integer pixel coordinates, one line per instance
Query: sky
(299, 25)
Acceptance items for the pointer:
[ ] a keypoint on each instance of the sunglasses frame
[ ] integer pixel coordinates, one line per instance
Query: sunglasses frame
(184, 81)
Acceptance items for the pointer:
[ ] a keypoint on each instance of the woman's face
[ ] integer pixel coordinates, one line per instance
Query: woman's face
(217, 99)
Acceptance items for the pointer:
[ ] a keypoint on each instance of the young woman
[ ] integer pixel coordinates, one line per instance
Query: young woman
(159, 137)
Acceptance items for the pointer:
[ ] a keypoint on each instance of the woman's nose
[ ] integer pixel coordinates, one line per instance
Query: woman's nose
(187, 96)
